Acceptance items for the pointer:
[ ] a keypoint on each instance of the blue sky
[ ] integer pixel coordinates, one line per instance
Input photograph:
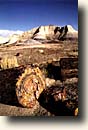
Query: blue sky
(24, 15)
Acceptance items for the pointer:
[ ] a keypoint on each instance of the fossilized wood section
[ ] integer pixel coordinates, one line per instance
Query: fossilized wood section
(69, 63)
(69, 73)
(61, 99)
(29, 87)
(8, 79)
(69, 67)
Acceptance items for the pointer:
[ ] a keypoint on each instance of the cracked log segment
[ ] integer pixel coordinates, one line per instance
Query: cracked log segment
(9, 105)
(69, 67)
(61, 99)
(29, 87)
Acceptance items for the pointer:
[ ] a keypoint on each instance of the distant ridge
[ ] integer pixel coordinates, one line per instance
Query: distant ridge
(50, 32)
(43, 33)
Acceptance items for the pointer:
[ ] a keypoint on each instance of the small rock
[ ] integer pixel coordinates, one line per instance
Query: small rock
(41, 51)
(49, 82)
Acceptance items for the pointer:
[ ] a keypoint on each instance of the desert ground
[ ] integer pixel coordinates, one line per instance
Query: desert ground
(59, 64)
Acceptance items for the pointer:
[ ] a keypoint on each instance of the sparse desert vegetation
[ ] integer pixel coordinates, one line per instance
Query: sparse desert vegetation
(8, 61)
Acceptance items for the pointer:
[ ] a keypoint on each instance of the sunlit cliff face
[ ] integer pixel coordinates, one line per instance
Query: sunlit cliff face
(49, 32)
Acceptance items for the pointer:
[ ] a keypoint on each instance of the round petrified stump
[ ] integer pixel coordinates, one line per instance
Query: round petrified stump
(29, 87)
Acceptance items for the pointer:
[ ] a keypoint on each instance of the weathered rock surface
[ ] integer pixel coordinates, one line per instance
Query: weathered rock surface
(9, 40)
(8, 110)
(51, 32)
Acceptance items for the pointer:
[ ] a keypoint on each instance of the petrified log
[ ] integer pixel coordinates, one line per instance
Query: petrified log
(29, 87)
(69, 73)
(69, 67)
(61, 99)
(69, 63)
(9, 105)
(8, 79)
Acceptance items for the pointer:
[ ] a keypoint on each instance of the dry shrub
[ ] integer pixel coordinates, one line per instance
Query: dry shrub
(9, 61)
